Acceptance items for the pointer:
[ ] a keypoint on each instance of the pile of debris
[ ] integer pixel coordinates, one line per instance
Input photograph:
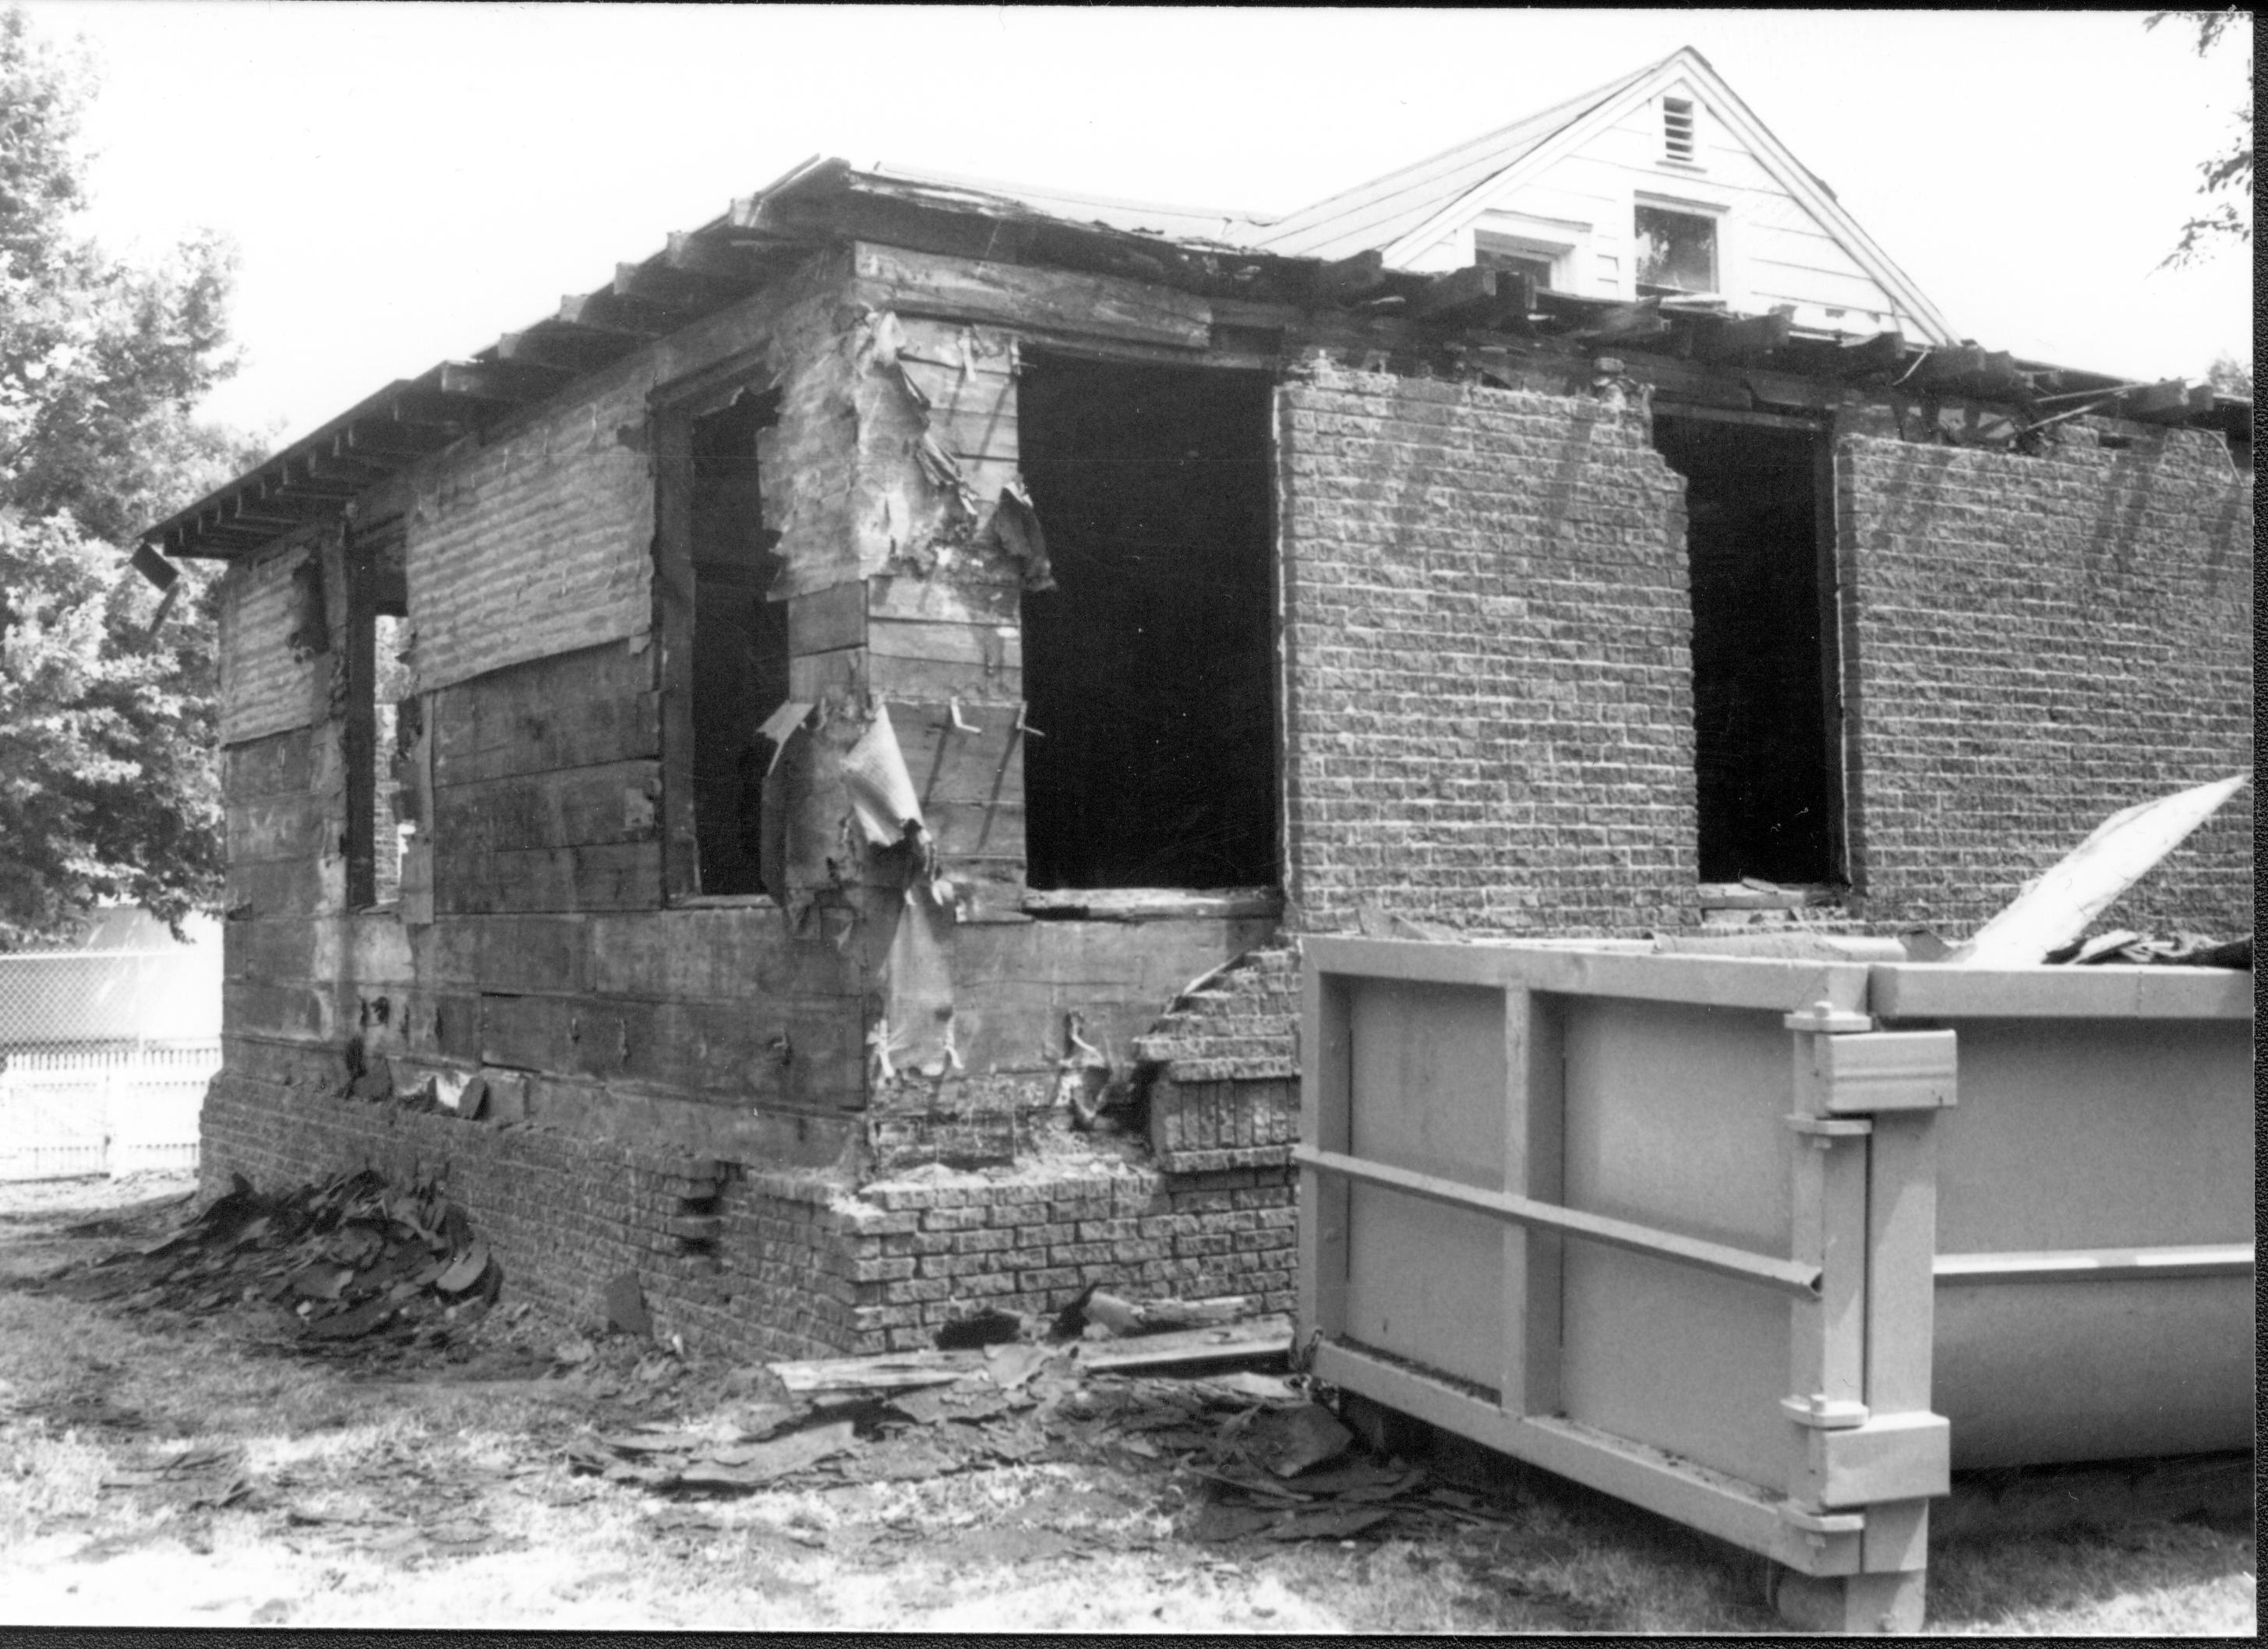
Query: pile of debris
(344, 1266)
(1252, 1453)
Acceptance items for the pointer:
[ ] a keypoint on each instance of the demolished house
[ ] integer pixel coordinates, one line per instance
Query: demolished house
(801, 777)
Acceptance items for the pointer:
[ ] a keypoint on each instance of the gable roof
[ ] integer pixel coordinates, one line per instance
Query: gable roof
(1404, 213)
(1384, 209)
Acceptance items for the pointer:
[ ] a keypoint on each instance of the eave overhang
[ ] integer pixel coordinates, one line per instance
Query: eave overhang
(824, 203)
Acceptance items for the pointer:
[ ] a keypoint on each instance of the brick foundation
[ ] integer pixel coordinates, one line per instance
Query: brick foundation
(773, 1265)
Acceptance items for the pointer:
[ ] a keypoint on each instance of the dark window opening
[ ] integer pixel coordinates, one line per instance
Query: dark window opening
(740, 653)
(377, 682)
(1766, 732)
(1676, 253)
(1150, 669)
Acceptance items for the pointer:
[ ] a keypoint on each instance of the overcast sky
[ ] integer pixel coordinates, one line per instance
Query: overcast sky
(406, 181)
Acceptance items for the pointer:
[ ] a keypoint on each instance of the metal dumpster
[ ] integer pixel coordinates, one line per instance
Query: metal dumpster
(1713, 1234)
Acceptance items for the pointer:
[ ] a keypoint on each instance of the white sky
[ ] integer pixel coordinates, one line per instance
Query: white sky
(406, 181)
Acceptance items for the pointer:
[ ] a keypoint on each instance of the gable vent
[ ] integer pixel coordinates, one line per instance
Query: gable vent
(1677, 129)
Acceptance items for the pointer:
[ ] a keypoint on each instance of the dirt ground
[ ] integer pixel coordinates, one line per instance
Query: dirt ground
(171, 1466)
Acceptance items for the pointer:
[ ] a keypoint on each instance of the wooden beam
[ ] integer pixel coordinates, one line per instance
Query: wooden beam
(734, 263)
(1882, 353)
(1745, 338)
(1623, 323)
(1348, 280)
(509, 383)
(569, 349)
(671, 289)
(602, 312)
(1496, 299)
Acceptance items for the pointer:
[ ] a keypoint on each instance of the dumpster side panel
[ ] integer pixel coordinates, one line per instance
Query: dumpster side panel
(1674, 1120)
(2035, 1373)
(2080, 1133)
(1429, 1067)
(2094, 1134)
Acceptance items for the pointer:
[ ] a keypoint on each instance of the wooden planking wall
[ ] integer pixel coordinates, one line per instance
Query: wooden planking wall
(265, 686)
(546, 779)
(536, 546)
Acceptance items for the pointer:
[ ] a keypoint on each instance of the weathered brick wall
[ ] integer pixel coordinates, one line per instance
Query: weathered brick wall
(1491, 703)
(767, 1265)
(265, 686)
(2040, 641)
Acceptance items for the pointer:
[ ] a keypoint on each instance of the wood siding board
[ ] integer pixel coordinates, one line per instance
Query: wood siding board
(1099, 305)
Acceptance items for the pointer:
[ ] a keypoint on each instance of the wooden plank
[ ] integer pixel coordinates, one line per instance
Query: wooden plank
(735, 955)
(1350, 280)
(280, 887)
(285, 827)
(995, 648)
(1099, 305)
(1262, 1338)
(1154, 904)
(298, 1013)
(911, 1370)
(1933, 990)
(1798, 1277)
(282, 763)
(935, 600)
(938, 679)
(2082, 1265)
(612, 802)
(606, 876)
(575, 709)
(824, 620)
(1581, 968)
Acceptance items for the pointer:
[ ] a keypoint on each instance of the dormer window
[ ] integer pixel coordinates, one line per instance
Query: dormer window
(1678, 130)
(1676, 252)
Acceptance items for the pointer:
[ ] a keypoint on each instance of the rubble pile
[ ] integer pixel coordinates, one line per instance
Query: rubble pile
(349, 1265)
(1249, 1455)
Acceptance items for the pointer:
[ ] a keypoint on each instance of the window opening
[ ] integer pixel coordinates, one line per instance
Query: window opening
(1535, 265)
(1149, 668)
(740, 651)
(1767, 754)
(1677, 129)
(378, 680)
(1676, 252)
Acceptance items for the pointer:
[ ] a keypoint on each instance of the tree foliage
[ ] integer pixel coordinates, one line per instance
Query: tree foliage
(107, 782)
(2225, 179)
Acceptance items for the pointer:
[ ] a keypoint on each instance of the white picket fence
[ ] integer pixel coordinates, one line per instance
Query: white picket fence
(74, 1113)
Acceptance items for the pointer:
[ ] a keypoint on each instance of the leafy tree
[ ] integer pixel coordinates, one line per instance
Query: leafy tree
(2227, 174)
(2231, 376)
(108, 783)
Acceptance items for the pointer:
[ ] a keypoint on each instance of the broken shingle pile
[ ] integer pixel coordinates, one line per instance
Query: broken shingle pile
(340, 1266)
(1251, 1453)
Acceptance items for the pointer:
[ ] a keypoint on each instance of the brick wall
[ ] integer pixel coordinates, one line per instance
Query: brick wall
(769, 1264)
(2041, 641)
(265, 687)
(1490, 701)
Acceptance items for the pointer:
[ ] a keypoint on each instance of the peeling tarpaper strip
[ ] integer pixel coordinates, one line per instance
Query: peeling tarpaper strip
(780, 726)
(2056, 908)
(882, 790)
